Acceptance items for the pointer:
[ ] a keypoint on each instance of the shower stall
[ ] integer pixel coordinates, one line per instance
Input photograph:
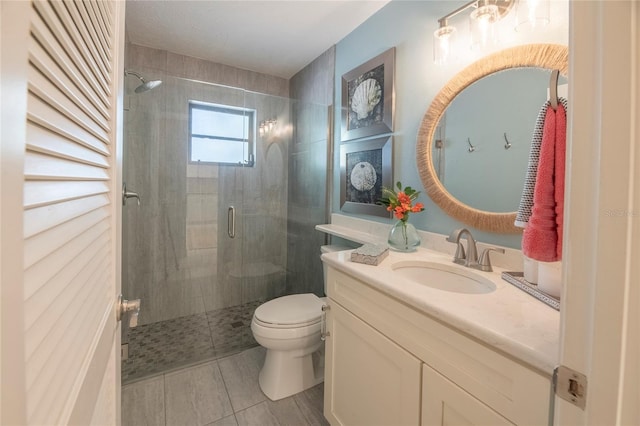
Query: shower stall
(231, 184)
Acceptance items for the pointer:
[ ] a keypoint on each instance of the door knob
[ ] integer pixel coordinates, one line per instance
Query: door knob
(128, 306)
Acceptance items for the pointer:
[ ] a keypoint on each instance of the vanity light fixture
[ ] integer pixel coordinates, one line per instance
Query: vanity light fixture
(266, 126)
(484, 16)
(532, 14)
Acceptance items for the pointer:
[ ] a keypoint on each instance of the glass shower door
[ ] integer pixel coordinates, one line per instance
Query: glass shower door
(197, 283)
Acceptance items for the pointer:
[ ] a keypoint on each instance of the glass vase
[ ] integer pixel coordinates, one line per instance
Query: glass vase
(403, 237)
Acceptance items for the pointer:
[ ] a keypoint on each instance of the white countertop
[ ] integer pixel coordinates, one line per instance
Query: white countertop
(350, 234)
(506, 319)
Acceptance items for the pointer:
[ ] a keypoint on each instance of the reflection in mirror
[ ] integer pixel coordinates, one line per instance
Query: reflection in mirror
(485, 137)
(442, 146)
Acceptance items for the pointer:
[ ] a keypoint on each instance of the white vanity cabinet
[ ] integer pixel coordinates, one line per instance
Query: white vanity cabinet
(370, 380)
(387, 363)
(445, 403)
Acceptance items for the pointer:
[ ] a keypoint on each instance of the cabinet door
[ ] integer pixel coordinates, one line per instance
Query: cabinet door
(445, 403)
(369, 380)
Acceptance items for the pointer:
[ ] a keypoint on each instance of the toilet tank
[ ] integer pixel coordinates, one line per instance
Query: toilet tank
(329, 249)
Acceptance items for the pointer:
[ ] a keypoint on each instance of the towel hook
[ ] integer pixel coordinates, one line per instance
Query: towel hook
(553, 89)
(507, 144)
(471, 147)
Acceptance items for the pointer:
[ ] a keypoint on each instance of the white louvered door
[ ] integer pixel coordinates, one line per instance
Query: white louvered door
(71, 218)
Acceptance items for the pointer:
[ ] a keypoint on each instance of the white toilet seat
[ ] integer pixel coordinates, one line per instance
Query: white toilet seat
(293, 311)
(267, 333)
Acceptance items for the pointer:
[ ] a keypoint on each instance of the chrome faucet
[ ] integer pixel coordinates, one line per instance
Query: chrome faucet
(471, 257)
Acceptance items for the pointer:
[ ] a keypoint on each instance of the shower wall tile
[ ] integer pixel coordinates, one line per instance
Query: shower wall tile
(200, 208)
(280, 86)
(314, 83)
(202, 70)
(147, 57)
(140, 222)
(304, 249)
(201, 185)
(185, 66)
(218, 294)
(202, 263)
(313, 86)
(311, 123)
(200, 237)
(171, 245)
(243, 79)
(264, 83)
(202, 171)
(171, 299)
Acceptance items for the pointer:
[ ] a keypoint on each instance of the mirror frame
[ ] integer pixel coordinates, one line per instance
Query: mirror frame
(550, 56)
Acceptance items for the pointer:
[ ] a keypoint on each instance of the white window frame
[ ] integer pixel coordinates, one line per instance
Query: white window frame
(250, 138)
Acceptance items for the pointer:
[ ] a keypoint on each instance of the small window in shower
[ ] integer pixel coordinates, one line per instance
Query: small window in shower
(221, 134)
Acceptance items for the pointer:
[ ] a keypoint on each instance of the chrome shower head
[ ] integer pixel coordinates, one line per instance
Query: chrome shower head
(146, 85)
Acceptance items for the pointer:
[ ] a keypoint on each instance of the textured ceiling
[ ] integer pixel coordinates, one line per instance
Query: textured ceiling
(273, 37)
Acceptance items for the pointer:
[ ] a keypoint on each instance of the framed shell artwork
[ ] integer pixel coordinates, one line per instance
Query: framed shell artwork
(368, 98)
(365, 167)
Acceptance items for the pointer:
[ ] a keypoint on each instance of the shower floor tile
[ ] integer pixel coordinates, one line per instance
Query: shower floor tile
(166, 345)
(231, 328)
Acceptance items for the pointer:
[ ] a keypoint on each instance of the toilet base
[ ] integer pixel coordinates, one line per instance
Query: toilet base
(286, 373)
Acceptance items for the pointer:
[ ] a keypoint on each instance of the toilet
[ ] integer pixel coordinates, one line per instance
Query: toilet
(288, 327)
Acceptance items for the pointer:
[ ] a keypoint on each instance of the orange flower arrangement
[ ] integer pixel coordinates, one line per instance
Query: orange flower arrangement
(401, 202)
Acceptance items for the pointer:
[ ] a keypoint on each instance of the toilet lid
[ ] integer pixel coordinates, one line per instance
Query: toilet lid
(289, 310)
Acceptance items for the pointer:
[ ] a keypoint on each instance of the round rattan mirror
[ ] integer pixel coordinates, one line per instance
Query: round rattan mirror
(548, 56)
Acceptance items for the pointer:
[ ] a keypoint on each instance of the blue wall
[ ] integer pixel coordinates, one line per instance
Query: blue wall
(408, 26)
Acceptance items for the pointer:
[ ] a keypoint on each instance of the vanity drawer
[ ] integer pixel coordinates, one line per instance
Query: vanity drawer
(511, 388)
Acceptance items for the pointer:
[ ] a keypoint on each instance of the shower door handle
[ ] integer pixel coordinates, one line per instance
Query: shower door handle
(231, 222)
(128, 194)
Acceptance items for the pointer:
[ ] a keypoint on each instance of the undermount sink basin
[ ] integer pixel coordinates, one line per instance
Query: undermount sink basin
(454, 278)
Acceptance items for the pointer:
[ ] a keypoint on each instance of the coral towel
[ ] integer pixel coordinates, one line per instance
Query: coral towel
(542, 237)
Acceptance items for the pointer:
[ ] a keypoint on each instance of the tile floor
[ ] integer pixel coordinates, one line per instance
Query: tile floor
(166, 345)
(217, 393)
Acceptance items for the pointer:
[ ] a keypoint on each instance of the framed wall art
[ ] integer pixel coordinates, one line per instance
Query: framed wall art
(368, 98)
(365, 167)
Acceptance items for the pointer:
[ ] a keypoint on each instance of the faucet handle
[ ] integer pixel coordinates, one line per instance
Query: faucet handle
(484, 263)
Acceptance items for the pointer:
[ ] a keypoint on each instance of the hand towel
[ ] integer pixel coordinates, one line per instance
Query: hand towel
(542, 237)
(561, 149)
(526, 201)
